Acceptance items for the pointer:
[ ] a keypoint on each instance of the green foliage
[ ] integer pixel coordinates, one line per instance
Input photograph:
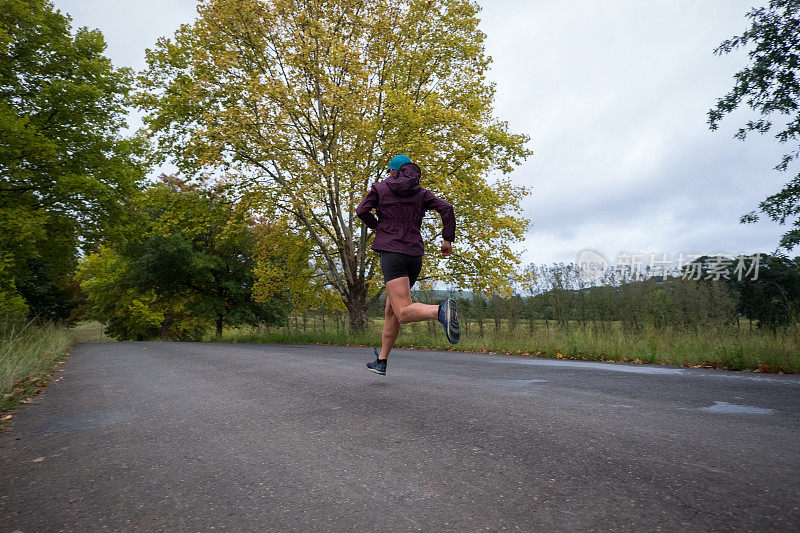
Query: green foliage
(49, 293)
(183, 260)
(63, 167)
(129, 312)
(283, 270)
(774, 298)
(13, 305)
(769, 85)
(558, 294)
(306, 102)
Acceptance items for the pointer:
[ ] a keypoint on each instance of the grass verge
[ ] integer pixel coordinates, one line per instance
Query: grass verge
(28, 354)
(731, 348)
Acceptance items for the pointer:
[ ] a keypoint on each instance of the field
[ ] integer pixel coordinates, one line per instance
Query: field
(734, 348)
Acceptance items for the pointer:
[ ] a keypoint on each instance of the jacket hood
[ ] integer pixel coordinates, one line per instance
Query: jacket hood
(406, 181)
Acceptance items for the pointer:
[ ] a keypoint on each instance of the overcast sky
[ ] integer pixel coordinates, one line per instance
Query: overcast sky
(614, 96)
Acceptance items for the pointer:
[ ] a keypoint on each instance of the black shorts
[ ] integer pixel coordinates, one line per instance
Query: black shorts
(396, 265)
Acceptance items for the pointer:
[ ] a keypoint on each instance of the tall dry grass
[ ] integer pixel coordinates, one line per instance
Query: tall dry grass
(733, 348)
(29, 350)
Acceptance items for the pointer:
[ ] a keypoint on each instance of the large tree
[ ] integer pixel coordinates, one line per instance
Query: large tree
(770, 85)
(774, 297)
(182, 260)
(64, 168)
(307, 100)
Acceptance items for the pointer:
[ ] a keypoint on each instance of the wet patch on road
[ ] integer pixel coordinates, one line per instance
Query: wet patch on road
(518, 382)
(648, 369)
(585, 365)
(87, 421)
(725, 407)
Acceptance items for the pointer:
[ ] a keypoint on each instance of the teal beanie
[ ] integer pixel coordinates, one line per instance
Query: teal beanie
(398, 161)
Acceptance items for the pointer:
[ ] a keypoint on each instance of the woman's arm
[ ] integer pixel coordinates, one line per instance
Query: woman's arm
(445, 211)
(364, 209)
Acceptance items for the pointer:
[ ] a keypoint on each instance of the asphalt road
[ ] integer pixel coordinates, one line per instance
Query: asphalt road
(195, 437)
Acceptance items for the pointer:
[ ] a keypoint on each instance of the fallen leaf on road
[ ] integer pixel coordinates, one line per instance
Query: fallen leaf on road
(38, 460)
(7, 417)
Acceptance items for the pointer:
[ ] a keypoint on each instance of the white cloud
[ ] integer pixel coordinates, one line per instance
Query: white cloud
(615, 95)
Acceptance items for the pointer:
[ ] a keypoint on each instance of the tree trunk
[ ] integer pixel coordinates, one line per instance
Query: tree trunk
(165, 328)
(356, 303)
(496, 311)
(478, 302)
(358, 317)
(219, 327)
(512, 321)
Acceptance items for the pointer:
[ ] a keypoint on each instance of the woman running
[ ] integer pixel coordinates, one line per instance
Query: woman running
(401, 204)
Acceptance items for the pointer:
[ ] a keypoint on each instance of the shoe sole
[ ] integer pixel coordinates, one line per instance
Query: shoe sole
(453, 334)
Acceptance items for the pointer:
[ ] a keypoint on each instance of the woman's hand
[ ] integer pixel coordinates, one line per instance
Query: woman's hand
(447, 248)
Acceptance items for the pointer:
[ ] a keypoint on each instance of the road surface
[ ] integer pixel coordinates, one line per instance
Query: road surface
(195, 437)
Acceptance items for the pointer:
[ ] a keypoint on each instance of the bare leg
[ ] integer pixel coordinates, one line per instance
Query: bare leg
(391, 328)
(398, 293)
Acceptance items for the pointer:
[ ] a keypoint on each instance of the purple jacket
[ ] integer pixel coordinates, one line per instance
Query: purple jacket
(401, 203)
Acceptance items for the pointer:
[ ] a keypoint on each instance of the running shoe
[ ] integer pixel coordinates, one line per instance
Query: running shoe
(378, 365)
(448, 318)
